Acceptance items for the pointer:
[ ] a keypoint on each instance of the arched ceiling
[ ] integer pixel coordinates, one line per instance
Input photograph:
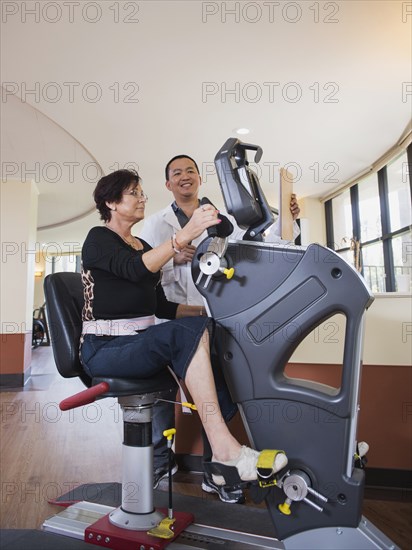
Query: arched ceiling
(36, 148)
(324, 87)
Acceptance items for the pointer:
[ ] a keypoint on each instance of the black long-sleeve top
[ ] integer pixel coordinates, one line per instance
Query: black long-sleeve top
(117, 284)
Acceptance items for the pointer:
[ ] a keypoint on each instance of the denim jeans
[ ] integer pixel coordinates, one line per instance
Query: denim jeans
(145, 354)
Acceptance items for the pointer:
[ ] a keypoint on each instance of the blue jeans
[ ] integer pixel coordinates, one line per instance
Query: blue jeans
(143, 355)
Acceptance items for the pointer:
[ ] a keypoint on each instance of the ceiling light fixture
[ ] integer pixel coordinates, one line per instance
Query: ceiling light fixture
(242, 131)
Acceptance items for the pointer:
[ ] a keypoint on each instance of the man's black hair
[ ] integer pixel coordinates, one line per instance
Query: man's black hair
(176, 158)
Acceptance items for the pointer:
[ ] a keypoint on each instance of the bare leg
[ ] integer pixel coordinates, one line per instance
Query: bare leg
(201, 385)
(226, 449)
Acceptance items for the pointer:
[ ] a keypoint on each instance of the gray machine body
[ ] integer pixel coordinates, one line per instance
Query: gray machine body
(276, 297)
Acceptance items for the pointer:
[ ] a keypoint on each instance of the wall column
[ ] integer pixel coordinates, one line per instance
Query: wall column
(19, 202)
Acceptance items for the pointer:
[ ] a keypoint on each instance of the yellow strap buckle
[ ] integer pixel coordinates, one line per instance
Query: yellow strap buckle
(264, 467)
(163, 530)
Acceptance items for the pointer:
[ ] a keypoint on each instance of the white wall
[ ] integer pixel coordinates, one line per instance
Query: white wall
(18, 236)
(312, 221)
(387, 336)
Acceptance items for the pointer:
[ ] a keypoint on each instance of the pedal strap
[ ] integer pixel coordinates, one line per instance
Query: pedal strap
(264, 467)
(230, 473)
(266, 476)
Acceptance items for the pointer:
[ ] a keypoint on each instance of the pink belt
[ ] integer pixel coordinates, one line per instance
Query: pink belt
(117, 327)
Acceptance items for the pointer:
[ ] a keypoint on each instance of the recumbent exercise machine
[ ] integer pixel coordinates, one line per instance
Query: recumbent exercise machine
(266, 298)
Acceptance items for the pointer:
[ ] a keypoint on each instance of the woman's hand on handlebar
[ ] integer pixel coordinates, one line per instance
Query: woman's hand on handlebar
(202, 218)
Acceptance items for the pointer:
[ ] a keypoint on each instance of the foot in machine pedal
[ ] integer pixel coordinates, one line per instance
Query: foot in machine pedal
(246, 464)
(363, 448)
(360, 456)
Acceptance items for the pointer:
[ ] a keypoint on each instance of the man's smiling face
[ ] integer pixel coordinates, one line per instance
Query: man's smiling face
(184, 180)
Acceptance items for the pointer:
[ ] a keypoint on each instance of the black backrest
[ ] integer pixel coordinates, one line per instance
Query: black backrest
(241, 190)
(64, 301)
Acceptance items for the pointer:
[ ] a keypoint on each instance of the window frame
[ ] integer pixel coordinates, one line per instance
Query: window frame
(386, 236)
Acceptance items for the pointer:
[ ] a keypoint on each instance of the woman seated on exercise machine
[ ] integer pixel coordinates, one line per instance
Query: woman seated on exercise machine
(123, 294)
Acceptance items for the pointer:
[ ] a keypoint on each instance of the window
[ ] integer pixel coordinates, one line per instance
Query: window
(399, 193)
(373, 267)
(342, 216)
(402, 261)
(370, 226)
(369, 211)
(63, 262)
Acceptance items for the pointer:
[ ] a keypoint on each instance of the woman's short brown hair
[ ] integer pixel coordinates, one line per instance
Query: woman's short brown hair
(110, 188)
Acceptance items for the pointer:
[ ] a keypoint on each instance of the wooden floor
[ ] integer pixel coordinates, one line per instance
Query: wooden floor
(45, 453)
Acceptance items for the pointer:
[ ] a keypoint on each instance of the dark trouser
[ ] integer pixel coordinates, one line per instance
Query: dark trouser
(163, 419)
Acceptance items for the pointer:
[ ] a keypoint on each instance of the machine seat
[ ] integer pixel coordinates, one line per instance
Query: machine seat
(64, 299)
(120, 387)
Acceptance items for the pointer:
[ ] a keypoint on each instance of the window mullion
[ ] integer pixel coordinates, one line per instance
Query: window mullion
(354, 199)
(356, 226)
(386, 229)
(330, 237)
(409, 157)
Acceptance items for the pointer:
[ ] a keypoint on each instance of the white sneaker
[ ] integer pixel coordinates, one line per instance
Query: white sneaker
(363, 448)
(246, 465)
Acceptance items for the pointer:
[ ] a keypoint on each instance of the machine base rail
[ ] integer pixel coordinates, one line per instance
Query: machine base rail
(76, 519)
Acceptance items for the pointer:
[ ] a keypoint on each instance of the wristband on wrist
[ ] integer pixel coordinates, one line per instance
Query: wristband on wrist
(175, 245)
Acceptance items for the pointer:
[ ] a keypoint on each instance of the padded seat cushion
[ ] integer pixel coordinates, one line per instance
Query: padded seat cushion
(130, 386)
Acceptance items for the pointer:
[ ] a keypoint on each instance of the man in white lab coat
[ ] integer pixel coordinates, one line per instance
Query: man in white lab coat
(184, 181)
